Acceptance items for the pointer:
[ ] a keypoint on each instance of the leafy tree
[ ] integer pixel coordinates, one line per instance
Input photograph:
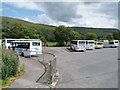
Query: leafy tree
(116, 35)
(21, 31)
(70, 34)
(82, 37)
(109, 37)
(64, 34)
(44, 40)
(101, 38)
(90, 36)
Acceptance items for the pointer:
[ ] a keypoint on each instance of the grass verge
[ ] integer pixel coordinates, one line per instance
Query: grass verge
(7, 82)
(51, 44)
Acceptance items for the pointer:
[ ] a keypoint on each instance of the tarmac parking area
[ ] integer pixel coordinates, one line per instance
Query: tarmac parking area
(90, 69)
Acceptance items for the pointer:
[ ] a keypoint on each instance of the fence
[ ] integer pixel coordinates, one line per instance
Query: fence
(49, 62)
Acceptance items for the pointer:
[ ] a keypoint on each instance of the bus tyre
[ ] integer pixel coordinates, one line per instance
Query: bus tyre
(22, 54)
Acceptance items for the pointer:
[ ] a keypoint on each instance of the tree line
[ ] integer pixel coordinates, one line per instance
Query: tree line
(60, 34)
(65, 34)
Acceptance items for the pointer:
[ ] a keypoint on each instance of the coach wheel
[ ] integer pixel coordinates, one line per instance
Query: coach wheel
(22, 54)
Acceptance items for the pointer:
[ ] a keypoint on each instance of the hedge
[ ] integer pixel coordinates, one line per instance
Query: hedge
(10, 63)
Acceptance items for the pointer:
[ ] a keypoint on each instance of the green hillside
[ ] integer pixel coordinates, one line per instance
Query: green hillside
(16, 28)
(10, 23)
(99, 31)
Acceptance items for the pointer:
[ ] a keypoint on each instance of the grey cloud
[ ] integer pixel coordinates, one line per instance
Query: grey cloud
(67, 11)
(119, 15)
(88, 3)
(111, 9)
(60, 11)
(108, 8)
(77, 13)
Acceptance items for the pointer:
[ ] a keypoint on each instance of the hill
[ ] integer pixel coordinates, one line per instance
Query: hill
(17, 28)
(18, 25)
(99, 31)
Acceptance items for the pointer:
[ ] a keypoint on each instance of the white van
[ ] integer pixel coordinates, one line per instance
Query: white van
(78, 45)
(114, 43)
(90, 44)
(105, 43)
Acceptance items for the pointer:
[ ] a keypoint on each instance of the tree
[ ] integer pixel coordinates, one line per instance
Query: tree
(116, 35)
(90, 36)
(109, 37)
(21, 31)
(64, 34)
(70, 34)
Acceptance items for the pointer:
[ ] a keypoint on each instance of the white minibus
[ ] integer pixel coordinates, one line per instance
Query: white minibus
(114, 43)
(78, 45)
(90, 44)
(105, 43)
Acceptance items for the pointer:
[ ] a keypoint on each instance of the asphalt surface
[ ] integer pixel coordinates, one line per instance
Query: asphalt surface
(90, 69)
(33, 70)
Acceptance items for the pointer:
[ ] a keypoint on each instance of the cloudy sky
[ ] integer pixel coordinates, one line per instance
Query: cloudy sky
(82, 14)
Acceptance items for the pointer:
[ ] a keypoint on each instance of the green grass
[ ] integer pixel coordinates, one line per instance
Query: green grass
(0, 84)
(6, 83)
(51, 44)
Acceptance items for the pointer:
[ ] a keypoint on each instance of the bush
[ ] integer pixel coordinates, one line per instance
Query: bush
(10, 63)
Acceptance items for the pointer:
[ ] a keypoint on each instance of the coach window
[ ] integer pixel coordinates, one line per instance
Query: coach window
(36, 43)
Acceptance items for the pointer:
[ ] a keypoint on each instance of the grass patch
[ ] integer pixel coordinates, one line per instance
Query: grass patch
(0, 84)
(51, 44)
(54, 44)
(6, 83)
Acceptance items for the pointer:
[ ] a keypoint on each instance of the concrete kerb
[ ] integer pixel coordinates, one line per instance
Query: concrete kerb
(55, 77)
(44, 64)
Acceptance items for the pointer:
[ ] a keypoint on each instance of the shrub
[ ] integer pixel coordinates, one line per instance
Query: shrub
(10, 63)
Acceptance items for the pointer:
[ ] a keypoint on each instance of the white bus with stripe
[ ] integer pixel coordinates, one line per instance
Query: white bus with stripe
(27, 48)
